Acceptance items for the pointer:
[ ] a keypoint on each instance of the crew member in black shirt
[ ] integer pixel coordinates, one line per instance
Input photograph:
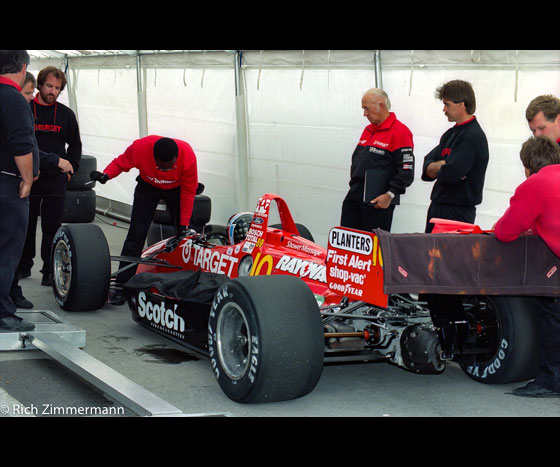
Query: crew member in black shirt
(458, 163)
(458, 166)
(56, 130)
(18, 158)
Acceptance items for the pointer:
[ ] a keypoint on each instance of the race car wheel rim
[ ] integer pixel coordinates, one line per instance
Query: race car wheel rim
(233, 341)
(485, 319)
(62, 265)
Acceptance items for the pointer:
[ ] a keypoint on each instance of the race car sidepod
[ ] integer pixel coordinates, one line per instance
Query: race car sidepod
(176, 304)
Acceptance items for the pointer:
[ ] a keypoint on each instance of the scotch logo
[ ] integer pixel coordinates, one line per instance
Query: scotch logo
(158, 314)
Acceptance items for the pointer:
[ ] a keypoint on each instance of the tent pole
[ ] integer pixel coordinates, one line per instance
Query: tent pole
(378, 74)
(71, 87)
(141, 99)
(242, 136)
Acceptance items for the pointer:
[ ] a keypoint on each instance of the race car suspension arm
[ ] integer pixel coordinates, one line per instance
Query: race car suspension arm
(143, 260)
(355, 316)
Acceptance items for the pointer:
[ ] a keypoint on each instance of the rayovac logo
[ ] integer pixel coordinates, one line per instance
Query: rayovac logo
(350, 241)
(159, 314)
(303, 268)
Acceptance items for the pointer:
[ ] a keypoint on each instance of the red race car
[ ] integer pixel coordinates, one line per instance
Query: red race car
(269, 306)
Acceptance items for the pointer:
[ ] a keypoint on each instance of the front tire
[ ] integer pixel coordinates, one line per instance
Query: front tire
(80, 267)
(265, 339)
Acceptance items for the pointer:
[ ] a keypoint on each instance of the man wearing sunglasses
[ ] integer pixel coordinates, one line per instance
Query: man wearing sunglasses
(167, 171)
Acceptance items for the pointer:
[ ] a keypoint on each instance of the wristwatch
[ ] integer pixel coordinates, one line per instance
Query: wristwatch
(391, 194)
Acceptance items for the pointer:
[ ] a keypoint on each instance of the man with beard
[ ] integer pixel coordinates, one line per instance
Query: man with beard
(56, 130)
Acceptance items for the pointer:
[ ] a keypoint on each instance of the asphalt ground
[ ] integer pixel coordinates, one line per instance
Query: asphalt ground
(31, 379)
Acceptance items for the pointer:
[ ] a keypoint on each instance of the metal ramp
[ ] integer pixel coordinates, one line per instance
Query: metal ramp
(63, 342)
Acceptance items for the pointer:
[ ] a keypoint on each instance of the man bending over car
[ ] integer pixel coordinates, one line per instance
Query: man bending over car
(535, 209)
(168, 171)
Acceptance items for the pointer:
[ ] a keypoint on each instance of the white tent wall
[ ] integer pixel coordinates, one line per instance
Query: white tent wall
(302, 139)
(303, 118)
(202, 112)
(501, 117)
(108, 119)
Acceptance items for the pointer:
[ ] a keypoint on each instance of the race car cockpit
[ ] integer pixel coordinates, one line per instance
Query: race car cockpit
(238, 226)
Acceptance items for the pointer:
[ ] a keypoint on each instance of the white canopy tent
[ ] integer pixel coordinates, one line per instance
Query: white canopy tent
(287, 122)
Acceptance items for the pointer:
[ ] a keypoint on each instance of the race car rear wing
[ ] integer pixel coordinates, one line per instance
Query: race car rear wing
(476, 264)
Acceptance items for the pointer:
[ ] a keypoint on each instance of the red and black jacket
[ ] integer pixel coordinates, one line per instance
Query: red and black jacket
(387, 146)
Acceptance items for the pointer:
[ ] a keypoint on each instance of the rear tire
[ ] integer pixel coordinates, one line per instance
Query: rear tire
(80, 267)
(265, 339)
(509, 331)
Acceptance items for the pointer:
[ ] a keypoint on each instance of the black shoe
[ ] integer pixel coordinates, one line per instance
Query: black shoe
(22, 302)
(116, 297)
(534, 390)
(14, 323)
(46, 280)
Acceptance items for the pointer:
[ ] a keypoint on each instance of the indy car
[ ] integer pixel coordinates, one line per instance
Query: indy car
(274, 306)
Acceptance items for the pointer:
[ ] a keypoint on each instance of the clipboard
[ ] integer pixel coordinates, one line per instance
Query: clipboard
(376, 182)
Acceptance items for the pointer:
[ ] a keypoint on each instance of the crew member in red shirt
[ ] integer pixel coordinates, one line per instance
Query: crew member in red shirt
(168, 171)
(535, 209)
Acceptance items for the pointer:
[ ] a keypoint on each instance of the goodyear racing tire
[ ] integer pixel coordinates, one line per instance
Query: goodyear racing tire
(507, 328)
(265, 339)
(79, 206)
(81, 180)
(80, 267)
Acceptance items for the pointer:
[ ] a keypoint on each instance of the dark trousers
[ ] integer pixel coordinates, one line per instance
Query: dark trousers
(548, 321)
(13, 226)
(146, 199)
(450, 211)
(46, 200)
(364, 216)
